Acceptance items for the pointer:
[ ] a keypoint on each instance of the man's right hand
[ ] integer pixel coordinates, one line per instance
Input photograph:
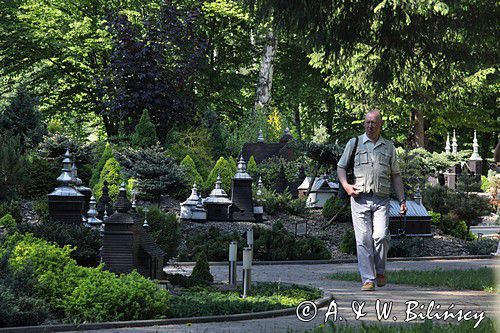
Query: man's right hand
(351, 190)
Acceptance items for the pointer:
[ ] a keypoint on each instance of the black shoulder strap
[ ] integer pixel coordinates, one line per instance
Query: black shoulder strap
(353, 153)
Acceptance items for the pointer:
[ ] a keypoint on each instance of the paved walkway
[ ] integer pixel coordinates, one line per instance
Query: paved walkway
(346, 292)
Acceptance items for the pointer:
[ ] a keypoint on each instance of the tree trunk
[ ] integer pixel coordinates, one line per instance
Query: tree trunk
(417, 129)
(296, 120)
(109, 126)
(330, 107)
(265, 81)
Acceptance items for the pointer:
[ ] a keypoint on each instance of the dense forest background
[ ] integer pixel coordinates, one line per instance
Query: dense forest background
(212, 73)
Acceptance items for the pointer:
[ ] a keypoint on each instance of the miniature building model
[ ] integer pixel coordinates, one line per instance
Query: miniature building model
(66, 203)
(189, 205)
(217, 204)
(281, 183)
(105, 205)
(127, 245)
(92, 219)
(321, 191)
(261, 150)
(241, 193)
(475, 161)
(86, 191)
(417, 221)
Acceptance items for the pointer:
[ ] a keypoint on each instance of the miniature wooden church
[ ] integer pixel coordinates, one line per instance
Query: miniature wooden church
(127, 245)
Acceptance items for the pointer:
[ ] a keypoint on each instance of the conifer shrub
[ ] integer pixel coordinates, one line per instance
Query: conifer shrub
(225, 170)
(22, 117)
(333, 206)
(252, 169)
(53, 147)
(348, 244)
(41, 208)
(110, 173)
(40, 177)
(165, 230)
(145, 132)
(13, 208)
(280, 244)
(482, 247)
(12, 165)
(201, 271)
(8, 222)
(192, 174)
(233, 163)
(86, 242)
(155, 173)
(214, 243)
(96, 171)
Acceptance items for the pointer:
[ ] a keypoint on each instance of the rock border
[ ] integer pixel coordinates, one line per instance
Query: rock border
(157, 322)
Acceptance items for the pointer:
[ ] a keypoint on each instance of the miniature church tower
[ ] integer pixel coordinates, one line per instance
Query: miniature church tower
(241, 193)
(65, 202)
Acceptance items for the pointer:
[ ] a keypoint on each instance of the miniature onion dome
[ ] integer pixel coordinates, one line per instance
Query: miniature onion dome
(261, 137)
(74, 173)
(242, 170)
(193, 198)
(447, 148)
(92, 213)
(454, 144)
(218, 195)
(122, 203)
(475, 154)
(105, 204)
(65, 178)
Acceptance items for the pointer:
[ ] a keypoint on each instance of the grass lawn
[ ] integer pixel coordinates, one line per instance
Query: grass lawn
(472, 279)
(208, 301)
(486, 326)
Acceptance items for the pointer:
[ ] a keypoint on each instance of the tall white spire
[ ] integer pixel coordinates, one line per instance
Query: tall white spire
(447, 148)
(454, 144)
(475, 150)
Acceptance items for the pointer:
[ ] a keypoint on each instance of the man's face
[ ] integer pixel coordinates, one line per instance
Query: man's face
(373, 125)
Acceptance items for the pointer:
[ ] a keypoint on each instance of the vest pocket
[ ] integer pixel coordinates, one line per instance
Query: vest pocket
(384, 158)
(361, 158)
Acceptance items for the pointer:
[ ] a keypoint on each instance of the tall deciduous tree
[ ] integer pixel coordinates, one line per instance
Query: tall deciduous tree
(152, 70)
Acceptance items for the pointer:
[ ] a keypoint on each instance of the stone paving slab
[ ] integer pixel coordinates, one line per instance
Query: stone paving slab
(345, 292)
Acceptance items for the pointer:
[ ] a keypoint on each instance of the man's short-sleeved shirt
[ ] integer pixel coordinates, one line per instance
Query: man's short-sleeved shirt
(374, 163)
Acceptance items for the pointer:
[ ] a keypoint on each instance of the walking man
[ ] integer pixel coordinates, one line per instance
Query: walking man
(375, 169)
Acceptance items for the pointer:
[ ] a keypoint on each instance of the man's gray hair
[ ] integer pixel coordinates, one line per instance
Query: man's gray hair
(375, 112)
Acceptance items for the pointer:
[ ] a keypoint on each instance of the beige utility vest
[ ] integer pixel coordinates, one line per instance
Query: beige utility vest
(372, 166)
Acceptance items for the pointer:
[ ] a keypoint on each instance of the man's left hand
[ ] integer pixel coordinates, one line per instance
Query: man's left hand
(402, 208)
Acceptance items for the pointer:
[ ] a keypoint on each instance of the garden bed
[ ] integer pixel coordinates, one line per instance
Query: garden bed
(217, 300)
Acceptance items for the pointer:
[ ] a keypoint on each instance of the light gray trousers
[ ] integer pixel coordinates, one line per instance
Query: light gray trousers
(370, 217)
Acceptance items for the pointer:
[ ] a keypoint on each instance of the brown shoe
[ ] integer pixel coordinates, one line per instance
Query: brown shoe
(368, 286)
(381, 280)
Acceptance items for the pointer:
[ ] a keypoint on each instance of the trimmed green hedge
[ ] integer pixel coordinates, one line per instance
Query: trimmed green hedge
(77, 294)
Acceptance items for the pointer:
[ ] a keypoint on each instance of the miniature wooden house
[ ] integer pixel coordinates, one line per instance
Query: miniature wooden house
(127, 245)
(321, 191)
(417, 221)
(261, 150)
